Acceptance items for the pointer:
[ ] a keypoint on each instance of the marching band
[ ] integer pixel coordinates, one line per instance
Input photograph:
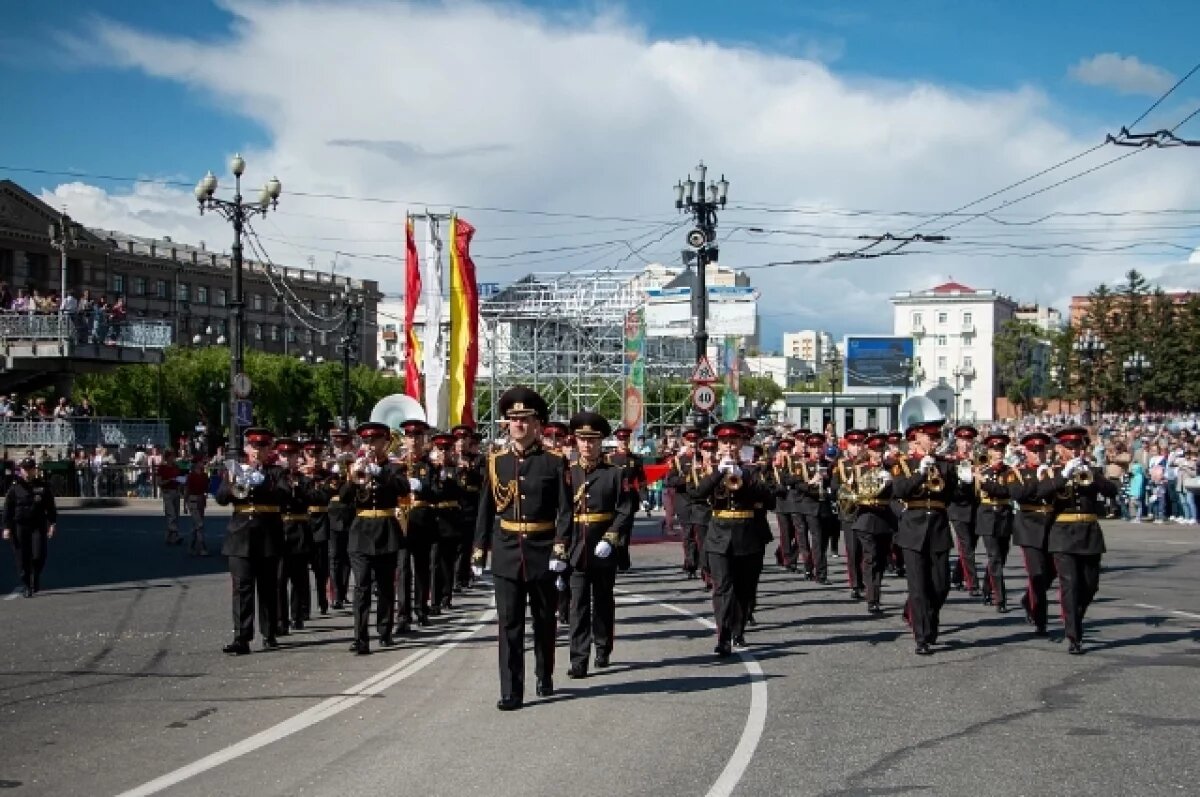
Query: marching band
(415, 514)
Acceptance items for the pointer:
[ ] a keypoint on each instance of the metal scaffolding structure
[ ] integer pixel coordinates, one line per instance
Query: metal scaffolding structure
(563, 334)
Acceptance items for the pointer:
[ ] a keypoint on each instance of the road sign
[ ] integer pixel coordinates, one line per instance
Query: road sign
(245, 412)
(241, 386)
(704, 398)
(704, 373)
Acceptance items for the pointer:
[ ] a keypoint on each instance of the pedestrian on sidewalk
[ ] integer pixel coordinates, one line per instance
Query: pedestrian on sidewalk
(30, 519)
(169, 479)
(195, 488)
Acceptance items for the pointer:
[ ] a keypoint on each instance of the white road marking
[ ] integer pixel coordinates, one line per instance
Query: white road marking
(1176, 612)
(12, 596)
(322, 711)
(756, 719)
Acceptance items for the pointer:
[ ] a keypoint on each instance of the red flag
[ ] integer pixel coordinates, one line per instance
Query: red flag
(412, 295)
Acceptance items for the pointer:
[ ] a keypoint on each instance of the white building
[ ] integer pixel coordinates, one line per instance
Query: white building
(953, 327)
(1046, 318)
(390, 333)
(812, 347)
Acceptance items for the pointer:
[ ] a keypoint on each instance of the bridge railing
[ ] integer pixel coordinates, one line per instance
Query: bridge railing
(86, 432)
(78, 328)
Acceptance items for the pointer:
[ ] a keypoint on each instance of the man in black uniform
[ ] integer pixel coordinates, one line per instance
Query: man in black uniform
(416, 561)
(470, 477)
(634, 474)
(701, 515)
(375, 487)
(30, 520)
(1031, 529)
(994, 519)
(782, 476)
(294, 603)
(816, 505)
(254, 542)
(874, 522)
(600, 506)
(924, 483)
(678, 471)
(341, 516)
(445, 474)
(1076, 541)
(318, 518)
(964, 501)
(527, 487)
(734, 545)
(843, 472)
(554, 434)
(894, 453)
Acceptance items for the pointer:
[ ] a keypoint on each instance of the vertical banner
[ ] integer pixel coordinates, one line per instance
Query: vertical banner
(435, 346)
(412, 294)
(634, 401)
(731, 365)
(464, 324)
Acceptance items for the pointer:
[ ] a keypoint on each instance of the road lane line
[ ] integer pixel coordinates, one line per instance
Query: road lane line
(322, 711)
(756, 719)
(1176, 612)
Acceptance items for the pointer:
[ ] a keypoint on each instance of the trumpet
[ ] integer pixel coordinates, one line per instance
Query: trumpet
(730, 482)
(364, 479)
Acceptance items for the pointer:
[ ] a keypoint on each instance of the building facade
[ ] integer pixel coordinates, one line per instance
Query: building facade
(1047, 318)
(287, 310)
(953, 328)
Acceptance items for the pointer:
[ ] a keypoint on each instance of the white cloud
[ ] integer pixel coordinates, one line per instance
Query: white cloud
(1124, 73)
(494, 107)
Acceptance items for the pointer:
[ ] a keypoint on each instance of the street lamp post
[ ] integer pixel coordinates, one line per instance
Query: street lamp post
(1136, 365)
(352, 308)
(236, 212)
(958, 373)
(835, 366)
(1090, 349)
(64, 236)
(702, 201)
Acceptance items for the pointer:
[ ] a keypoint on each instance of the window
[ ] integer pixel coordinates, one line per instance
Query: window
(139, 286)
(202, 294)
(966, 362)
(324, 338)
(308, 336)
(161, 290)
(118, 284)
(943, 317)
(291, 334)
(258, 331)
(273, 331)
(941, 363)
(37, 266)
(6, 264)
(916, 321)
(967, 317)
(221, 298)
(258, 303)
(185, 292)
(941, 340)
(967, 407)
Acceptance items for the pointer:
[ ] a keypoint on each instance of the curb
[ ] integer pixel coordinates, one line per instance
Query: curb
(68, 504)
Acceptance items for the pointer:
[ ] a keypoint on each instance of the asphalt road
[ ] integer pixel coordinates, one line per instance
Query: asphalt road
(112, 680)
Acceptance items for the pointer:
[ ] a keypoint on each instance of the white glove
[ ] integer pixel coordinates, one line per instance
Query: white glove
(967, 476)
(927, 462)
(735, 471)
(558, 566)
(476, 570)
(1044, 470)
(255, 478)
(336, 468)
(414, 484)
(726, 465)
(603, 549)
(373, 469)
(1071, 466)
(885, 477)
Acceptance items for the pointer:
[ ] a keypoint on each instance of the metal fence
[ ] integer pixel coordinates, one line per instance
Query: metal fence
(87, 432)
(80, 328)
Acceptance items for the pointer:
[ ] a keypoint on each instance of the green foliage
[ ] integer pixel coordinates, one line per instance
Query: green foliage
(193, 384)
(1018, 348)
(761, 390)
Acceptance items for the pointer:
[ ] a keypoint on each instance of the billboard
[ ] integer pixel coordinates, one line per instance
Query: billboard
(878, 363)
(731, 311)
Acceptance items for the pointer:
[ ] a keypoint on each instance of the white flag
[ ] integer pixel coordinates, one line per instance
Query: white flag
(434, 344)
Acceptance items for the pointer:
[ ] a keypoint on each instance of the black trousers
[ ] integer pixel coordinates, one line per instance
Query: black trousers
(1040, 573)
(965, 541)
(291, 588)
(466, 544)
(319, 559)
(875, 550)
(248, 574)
(928, 574)
(415, 573)
(897, 559)
(854, 557)
(820, 530)
(1078, 582)
(339, 564)
(693, 547)
(31, 547)
(785, 553)
(378, 570)
(798, 539)
(593, 612)
(511, 597)
(735, 579)
(997, 556)
(445, 561)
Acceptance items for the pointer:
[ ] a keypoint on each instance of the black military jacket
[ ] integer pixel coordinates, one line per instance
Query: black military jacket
(376, 529)
(319, 493)
(677, 482)
(423, 516)
(528, 491)
(923, 526)
(740, 533)
(634, 476)
(29, 505)
(875, 517)
(1035, 513)
(600, 507)
(259, 532)
(962, 504)
(297, 528)
(814, 499)
(994, 517)
(785, 485)
(1075, 528)
(469, 477)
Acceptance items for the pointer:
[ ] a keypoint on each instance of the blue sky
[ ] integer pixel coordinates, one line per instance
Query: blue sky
(888, 106)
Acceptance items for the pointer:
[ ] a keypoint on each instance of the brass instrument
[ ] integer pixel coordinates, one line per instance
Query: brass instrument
(239, 482)
(866, 483)
(1083, 477)
(363, 480)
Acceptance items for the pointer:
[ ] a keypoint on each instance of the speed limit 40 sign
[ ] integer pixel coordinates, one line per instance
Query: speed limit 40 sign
(704, 398)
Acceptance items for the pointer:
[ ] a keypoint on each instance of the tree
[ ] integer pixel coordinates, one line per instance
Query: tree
(1019, 349)
(762, 390)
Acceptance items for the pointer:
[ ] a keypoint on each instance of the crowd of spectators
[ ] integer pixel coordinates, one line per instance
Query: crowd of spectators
(41, 408)
(94, 320)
